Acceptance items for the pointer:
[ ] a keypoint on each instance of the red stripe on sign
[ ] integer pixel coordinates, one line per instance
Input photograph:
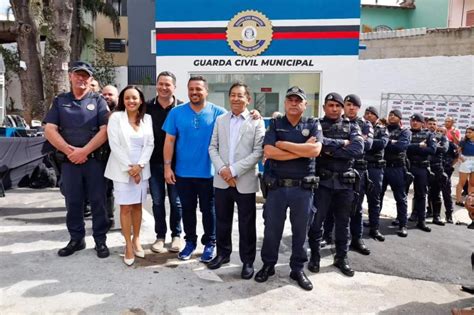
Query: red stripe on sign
(191, 36)
(276, 35)
(315, 35)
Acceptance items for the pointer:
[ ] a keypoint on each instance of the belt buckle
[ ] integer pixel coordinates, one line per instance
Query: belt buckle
(287, 182)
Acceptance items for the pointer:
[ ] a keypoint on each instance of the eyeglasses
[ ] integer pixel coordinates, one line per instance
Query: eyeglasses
(196, 121)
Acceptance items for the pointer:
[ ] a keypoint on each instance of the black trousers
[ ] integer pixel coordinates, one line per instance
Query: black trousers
(246, 205)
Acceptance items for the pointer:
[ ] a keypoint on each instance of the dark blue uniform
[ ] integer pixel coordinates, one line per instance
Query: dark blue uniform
(449, 158)
(78, 121)
(440, 177)
(375, 165)
(334, 192)
(419, 167)
(288, 192)
(396, 170)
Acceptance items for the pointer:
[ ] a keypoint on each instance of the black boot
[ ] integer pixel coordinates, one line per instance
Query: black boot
(314, 261)
(375, 234)
(359, 246)
(449, 217)
(343, 265)
(422, 226)
(437, 220)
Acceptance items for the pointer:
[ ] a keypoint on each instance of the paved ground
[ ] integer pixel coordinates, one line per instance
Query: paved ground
(420, 274)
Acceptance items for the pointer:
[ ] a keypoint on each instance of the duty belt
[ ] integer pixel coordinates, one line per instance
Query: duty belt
(420, 163)
(377, 164)
(287, 182)
(396, 163)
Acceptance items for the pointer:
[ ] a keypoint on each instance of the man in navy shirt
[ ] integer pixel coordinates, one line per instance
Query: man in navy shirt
(76, 127)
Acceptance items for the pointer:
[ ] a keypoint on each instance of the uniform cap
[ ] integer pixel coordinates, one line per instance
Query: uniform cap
(418, 117)
(295, 90)
(354, 99)
(81, 66)
(333, 96)
(372, 110)
(397, 113)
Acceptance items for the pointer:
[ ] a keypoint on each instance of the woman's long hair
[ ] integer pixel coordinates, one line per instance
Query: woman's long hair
(121, 103)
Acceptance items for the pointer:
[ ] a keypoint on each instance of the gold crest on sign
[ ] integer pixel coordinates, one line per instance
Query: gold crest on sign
(249, 33)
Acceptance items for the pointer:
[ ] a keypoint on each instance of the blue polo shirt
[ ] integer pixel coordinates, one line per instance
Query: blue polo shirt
(193, 132)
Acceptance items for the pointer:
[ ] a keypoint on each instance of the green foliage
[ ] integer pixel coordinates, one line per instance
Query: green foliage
(11, 59)
(103, 64)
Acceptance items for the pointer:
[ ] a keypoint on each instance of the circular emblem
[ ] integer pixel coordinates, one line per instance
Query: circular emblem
(249, 33)
(305, 132)
(90, 107)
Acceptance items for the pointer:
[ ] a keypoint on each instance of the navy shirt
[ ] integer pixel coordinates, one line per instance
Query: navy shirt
(75, 118)
(158, 116)
(281, 129)
(396, 150)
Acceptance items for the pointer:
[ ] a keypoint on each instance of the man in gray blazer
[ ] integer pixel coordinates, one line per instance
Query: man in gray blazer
(235, 149)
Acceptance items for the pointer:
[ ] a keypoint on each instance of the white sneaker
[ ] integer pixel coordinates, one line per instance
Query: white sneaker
(175, 244)
(159, 246)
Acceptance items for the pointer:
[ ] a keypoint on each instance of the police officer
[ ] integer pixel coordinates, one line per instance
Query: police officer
(342, 141)
(291, 144)
(436, 165)
(76, 127)
(352, 105)
(449, 160)
(396, 173)
(420, 149)
(375, 165)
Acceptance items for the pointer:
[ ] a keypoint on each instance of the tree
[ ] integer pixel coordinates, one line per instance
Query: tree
(103, 64)
(26, 27)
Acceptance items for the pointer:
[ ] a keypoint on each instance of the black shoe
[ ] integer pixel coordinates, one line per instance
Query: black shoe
(375, 234)
(87, 210)
(437, 221)
(264, 273)
(218, 261)
(468, 289)
(395, 222)
(449, 218)
(247, 271)
(471, 226)
(402, 231)
(343, 266)
(71, 247)
(102, 250)
(366, 224)
(313, 264)
(459, 203)
(359, 246)
(422, 226)
(302, 280)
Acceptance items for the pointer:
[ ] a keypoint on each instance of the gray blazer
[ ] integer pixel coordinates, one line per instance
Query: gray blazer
(248, 152)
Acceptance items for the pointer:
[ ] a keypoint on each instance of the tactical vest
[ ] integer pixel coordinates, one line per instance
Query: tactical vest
(373, 156)
(438, 157)
(340, 130)
(418, 136)
(392, 156)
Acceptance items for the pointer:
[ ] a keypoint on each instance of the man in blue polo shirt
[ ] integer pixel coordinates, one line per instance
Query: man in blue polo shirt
(190, 126)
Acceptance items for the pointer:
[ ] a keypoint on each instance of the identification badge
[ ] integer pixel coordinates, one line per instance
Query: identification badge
(305, 132)
(90, 107)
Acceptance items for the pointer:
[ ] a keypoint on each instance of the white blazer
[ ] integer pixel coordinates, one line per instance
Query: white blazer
(118, 132)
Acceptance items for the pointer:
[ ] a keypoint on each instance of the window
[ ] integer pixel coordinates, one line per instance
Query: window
(114, 45)
(153, 42)
(470, 18)
(120, 6)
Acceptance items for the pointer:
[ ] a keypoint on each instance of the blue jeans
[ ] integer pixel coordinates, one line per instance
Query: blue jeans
(189, 191)
(158, 194)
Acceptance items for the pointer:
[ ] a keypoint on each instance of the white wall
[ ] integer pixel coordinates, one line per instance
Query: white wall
(425, 75)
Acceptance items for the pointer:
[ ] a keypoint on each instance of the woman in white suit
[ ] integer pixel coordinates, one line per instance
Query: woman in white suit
(131, 141)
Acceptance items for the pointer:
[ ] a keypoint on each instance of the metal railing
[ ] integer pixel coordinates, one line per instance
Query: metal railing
(141, 75)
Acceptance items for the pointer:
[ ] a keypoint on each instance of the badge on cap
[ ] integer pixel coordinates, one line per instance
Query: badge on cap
(305, 132)
(90, 107)
(330, 97)
(294, 89)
